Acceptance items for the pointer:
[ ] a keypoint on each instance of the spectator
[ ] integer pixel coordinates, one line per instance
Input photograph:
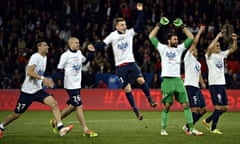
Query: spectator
(102, 84)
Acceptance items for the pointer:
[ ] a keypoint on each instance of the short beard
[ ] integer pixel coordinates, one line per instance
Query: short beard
(174, 45)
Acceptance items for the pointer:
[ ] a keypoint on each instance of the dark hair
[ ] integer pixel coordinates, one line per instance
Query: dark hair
(116, 20)
(38, 42)
(170, 35)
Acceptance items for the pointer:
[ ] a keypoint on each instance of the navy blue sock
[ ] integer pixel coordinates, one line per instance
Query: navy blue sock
(216, 115)
(209, 119)
(131, 102)
(146, 91)
(196, 117)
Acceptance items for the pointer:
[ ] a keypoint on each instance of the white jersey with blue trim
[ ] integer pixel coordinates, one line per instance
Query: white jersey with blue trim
(171, 59)
(215, 63)
(192, 70)
(30, 84)
(71, 62)
(122, 45)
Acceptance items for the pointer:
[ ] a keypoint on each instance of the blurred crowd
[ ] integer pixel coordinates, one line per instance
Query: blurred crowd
(24, 21)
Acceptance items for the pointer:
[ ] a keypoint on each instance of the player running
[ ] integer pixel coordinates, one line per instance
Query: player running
(71, 62)
(32, 90)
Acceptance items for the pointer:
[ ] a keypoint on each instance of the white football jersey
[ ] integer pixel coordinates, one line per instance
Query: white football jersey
(215, 63)
(71, 62)
(171, 59)
(32, 85)
(122, 45)
(192, 70)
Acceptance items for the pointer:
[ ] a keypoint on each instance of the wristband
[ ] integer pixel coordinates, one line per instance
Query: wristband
(42, 77)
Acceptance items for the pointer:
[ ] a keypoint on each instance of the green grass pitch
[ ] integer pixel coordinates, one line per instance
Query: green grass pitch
(117, 127)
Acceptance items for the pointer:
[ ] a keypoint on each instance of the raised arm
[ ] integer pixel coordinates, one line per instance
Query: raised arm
(152, 35)
(154, 31)
(196, 38)
(233, 48)
(90, 53)
(213, 43)
(187, 32)
(179, 24)
(140, 22)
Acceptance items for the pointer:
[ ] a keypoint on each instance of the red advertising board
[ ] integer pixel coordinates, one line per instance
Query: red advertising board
(109, 99)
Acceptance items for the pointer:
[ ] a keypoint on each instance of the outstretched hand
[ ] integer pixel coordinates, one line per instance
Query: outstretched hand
(139, 6)
(234, 36)
(91, 47)
(178, 22)
(220, 34)
(164, 21)
(202, 28)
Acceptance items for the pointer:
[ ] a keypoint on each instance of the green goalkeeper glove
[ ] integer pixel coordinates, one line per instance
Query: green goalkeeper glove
(178, 22)
(164, 21)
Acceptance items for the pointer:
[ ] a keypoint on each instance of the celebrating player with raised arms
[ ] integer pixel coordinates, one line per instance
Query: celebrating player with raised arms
(192, 79)
(172, 84)
(216, 78)
(126, 68)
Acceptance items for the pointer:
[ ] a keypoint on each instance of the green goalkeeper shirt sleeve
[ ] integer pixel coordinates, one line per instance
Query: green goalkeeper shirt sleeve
(154, 41)
(188, 42)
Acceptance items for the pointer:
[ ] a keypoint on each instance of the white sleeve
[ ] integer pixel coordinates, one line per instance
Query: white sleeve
(187, 55)
(34, 60)
(62, 61)
(83, 58)
(161, 48)
(225, 53)
(132, 32)
(108, 39)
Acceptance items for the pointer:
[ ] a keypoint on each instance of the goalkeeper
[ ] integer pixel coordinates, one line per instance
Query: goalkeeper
(172, 84)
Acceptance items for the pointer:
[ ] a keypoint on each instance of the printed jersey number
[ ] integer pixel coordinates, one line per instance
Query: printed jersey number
(76, 98)
(20, 106)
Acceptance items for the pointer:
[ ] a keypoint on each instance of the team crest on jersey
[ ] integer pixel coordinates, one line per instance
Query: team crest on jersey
(76, 67)
(219, 65)
(171, 55)
(40, 72)
(122, 45)
(197, 68)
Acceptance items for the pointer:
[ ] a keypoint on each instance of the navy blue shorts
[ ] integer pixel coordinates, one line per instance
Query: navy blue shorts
(195, 97)
(25, 100)
(218, 94)
(74, 97)
(128, 73)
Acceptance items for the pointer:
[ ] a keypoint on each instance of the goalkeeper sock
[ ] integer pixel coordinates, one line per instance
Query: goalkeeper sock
(189, 118)
(164, 119)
